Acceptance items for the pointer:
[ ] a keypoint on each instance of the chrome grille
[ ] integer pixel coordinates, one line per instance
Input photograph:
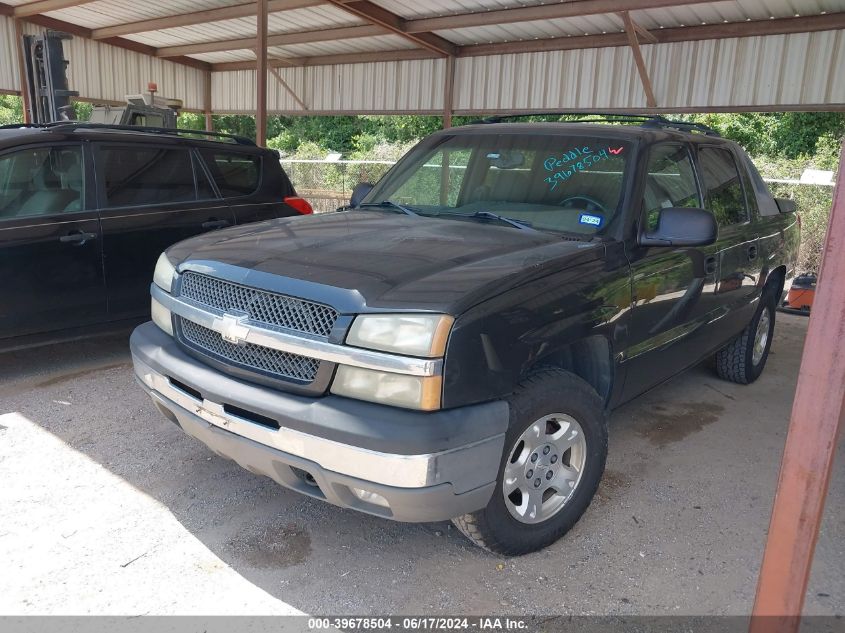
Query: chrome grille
(248, 356)
(261, 306)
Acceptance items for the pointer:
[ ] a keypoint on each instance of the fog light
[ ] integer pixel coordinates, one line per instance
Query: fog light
(370, 497)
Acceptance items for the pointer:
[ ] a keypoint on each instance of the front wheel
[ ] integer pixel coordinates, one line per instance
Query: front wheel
(744, 358)
(555, 451)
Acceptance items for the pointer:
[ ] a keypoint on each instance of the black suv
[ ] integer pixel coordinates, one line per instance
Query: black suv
(85, 211)
(449, 347)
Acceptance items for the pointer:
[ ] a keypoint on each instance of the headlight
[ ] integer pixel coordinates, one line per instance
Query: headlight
(164, 273)
(162, 317)
(410, 334)
(399, 390)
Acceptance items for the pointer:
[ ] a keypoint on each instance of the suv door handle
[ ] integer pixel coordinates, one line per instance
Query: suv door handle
(215, 224)
(77, 237)
(752, 252)
(710, 265)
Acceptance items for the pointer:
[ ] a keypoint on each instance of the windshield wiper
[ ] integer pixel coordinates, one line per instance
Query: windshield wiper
(489, 215)
(390, 204)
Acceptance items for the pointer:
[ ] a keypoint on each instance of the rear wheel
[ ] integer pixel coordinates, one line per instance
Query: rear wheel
(555, 451)
(744, 358)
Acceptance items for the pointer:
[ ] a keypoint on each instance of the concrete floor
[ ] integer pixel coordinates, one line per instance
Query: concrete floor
(108, 508)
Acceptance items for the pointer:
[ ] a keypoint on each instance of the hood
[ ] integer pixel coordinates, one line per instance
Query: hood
(387, 260)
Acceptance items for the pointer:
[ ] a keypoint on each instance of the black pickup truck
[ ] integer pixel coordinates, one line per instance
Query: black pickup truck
(450, 345)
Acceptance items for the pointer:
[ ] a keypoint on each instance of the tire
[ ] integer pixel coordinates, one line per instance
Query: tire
(552, 399)
(744, 358)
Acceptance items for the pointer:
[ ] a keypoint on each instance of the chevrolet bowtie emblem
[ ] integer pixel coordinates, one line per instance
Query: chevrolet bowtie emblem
(231, 327)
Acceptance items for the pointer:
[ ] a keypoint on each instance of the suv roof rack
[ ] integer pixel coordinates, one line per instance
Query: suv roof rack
(76, 125)
(645, 120)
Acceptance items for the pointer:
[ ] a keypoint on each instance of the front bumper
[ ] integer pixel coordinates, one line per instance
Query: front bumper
(423, 466)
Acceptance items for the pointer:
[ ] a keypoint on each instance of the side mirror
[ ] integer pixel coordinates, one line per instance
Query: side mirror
(785, 205)
(359, 193)
(678, 226)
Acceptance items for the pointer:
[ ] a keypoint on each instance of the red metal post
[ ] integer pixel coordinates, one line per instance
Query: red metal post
(817, 420)
(209, 127)
(261, 74)
(27, 106)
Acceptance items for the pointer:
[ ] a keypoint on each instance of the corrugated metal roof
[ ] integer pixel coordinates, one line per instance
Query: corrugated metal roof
(411, 9)
(587, 25)
(765, 71)
(338, 47)
(241, 55)
(109, 12)
(310, 19)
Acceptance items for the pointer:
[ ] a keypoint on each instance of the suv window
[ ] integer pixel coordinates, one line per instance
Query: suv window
(760, 190)
(140, 175)
(234, 173)
(725, 197)
(670, 182)
(554, 182)
(41, 181)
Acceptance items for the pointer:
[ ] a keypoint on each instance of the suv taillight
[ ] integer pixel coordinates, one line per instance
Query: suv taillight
(300, 204)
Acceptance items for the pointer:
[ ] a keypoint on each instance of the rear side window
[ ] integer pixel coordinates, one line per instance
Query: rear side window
(765, 201)
(725, 197)
(234, 173)
(41, 181)
(670, 182)
(137, 176)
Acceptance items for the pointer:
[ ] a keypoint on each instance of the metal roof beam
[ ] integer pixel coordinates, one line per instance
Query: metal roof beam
(549, 11)
(246, 9)
(375, 14)
(781, 26)
(279, 39)
(830, 21)
(634, 43)
(43, 6)
(638, 28)
(330, 60)
(288, 89)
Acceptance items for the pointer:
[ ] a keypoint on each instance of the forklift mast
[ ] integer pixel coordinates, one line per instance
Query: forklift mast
(46, 77)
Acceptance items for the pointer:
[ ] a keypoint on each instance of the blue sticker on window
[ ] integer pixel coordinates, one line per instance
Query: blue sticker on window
(592, 220)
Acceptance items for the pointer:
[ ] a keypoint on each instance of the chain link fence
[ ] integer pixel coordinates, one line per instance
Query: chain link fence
(327, 185)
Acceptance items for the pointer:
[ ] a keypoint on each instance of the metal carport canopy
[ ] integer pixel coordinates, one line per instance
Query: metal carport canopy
(474, 56)
(449, 56)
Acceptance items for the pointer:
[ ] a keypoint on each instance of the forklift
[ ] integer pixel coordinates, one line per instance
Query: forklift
(45, 68)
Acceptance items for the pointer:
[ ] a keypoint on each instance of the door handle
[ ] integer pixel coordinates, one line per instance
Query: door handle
(752, 252)
(710, 265)
(77, 237)
(215, 224)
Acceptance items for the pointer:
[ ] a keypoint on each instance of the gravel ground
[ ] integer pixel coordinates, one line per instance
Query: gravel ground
(109, 508)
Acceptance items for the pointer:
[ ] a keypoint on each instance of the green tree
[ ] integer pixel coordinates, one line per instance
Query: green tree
(11, 110)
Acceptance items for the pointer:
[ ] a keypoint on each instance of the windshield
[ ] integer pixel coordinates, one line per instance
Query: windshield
(550, 182)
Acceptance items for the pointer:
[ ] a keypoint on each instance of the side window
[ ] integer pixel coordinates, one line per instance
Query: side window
(42, 181)
(670, 182)
(761, 192)
(725, 197)
(234, 173)
(140, 175)
(750, 196)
